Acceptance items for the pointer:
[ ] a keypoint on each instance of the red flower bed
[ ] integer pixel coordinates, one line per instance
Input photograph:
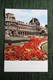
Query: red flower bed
(29, 51)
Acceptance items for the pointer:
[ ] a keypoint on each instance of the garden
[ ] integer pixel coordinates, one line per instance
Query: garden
(27, 50)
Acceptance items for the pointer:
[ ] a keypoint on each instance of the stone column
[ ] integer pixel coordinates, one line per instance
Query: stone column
(7, 33)
(13, 33)
(10, 32)
(20, 34)
(24, 33)
(27, 33)
(17, 33)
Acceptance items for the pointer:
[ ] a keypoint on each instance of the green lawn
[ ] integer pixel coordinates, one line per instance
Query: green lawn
(45, 48)
(16, 38)
(18, 43)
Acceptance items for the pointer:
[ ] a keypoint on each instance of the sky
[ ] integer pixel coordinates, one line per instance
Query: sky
(26, 15)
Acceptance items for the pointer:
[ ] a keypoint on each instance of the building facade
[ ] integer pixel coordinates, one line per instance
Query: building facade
(14, 27)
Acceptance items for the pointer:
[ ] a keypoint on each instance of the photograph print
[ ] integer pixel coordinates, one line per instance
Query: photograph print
(26, 36)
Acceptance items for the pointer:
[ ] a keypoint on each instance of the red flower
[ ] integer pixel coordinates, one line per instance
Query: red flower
(40, 59)
(28, 57)
(39, 55)
(8, 57)
(23, 58)
(17, 55)
(26, 52)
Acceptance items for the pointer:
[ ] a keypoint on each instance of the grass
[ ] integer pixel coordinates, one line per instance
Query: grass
(45, 48)
(15, 44)
(16, 38)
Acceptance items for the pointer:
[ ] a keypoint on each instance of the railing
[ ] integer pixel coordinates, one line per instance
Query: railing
(25, 30)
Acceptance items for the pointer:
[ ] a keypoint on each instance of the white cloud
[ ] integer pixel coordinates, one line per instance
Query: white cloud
(26, 12)
(39, 12)
(16, 11)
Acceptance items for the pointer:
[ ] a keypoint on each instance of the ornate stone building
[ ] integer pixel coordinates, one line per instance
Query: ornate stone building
(14, 27)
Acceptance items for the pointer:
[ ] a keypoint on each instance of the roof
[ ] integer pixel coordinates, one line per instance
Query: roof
(9, 13)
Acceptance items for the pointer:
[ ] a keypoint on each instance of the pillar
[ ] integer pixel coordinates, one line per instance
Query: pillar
(7, 33)
(26, 33)
(22, 33)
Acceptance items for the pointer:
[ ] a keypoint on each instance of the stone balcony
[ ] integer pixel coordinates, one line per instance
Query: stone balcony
(26, 30)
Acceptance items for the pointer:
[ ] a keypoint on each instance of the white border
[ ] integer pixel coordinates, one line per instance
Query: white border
(26, 66)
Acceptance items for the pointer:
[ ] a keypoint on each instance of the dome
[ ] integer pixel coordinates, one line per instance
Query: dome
(34, 21)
